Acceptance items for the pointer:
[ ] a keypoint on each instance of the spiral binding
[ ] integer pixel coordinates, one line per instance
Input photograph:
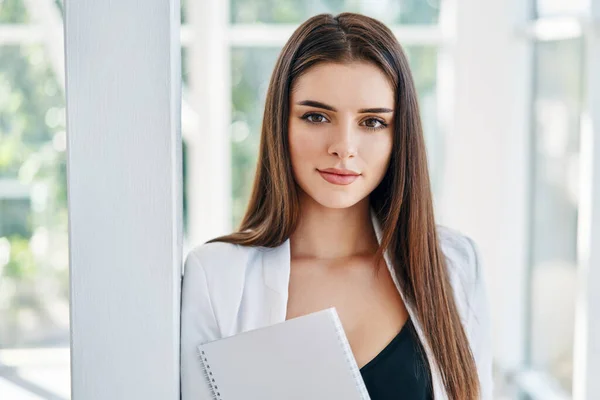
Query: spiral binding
(214, 388)
(360, 384)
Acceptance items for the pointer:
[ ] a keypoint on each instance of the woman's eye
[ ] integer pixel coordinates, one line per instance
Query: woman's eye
(314, 118)
(374, 123)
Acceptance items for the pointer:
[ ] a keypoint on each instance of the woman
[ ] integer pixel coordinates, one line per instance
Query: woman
(341, 215)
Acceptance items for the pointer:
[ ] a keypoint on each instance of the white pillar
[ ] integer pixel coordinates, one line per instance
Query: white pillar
(484, 86)
(124, 188)
(209, 165)
(586, 382)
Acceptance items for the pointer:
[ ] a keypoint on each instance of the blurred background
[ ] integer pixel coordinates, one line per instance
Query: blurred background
(34, 261)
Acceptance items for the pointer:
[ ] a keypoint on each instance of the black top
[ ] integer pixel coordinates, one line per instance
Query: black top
(400, 370)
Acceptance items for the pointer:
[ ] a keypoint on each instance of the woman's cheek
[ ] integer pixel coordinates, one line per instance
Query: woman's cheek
(304, 145)
(377, 154)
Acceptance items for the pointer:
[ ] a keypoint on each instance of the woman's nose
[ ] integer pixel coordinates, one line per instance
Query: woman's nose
(344, 144)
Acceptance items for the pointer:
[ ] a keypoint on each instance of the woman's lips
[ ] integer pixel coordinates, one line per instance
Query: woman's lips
(338, 179)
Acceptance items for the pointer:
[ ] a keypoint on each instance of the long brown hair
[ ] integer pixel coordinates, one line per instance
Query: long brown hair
(402, 202)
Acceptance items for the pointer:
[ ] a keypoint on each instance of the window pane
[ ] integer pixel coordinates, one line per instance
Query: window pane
(546, 8)
(34, 274)
(251, 70)
(13, 11)
(60, 6)
(557, 105)
(293, 11)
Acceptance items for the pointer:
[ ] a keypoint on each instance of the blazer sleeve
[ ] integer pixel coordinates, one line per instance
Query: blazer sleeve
(480, 325)
(198, 325)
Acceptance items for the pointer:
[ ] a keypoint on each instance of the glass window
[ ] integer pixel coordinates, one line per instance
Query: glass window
(293, 11)
(557, 106)
(14, 211)
(60, 6)
(548, 8)
(34, 274)
(251, 71)
(183, 11)
(13, 12)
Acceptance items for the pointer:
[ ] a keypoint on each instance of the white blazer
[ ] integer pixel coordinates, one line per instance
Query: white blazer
(228, 289)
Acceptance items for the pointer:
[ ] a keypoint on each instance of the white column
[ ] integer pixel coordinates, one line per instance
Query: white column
(209, 165)
(124, 186)
(586, 385)
(484, 86)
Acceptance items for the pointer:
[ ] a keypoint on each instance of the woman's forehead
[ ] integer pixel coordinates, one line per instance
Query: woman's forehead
(350, 86)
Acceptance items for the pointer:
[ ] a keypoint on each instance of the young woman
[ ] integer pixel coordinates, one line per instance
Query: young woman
(341, 215)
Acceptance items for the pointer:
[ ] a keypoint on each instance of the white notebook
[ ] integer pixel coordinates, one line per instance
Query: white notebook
(307, 357)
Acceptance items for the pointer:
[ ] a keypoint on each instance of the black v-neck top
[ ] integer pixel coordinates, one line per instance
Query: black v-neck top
(400, 370)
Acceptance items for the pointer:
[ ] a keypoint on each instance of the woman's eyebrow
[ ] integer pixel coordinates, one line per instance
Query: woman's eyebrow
(318, 104)
(378, 110)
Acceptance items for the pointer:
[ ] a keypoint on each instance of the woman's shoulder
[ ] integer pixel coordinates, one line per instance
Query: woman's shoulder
(223, 287)
(468, 280)
(211, 250)
(465, 270)
(461, 252)
(456, 244)
(220, 257)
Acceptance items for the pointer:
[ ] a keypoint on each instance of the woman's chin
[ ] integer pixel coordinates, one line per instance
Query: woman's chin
(338, 200)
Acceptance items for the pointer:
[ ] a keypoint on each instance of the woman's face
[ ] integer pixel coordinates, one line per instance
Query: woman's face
(341, 117)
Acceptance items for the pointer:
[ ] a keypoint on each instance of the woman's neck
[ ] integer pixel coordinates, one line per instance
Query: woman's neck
(333, 233)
